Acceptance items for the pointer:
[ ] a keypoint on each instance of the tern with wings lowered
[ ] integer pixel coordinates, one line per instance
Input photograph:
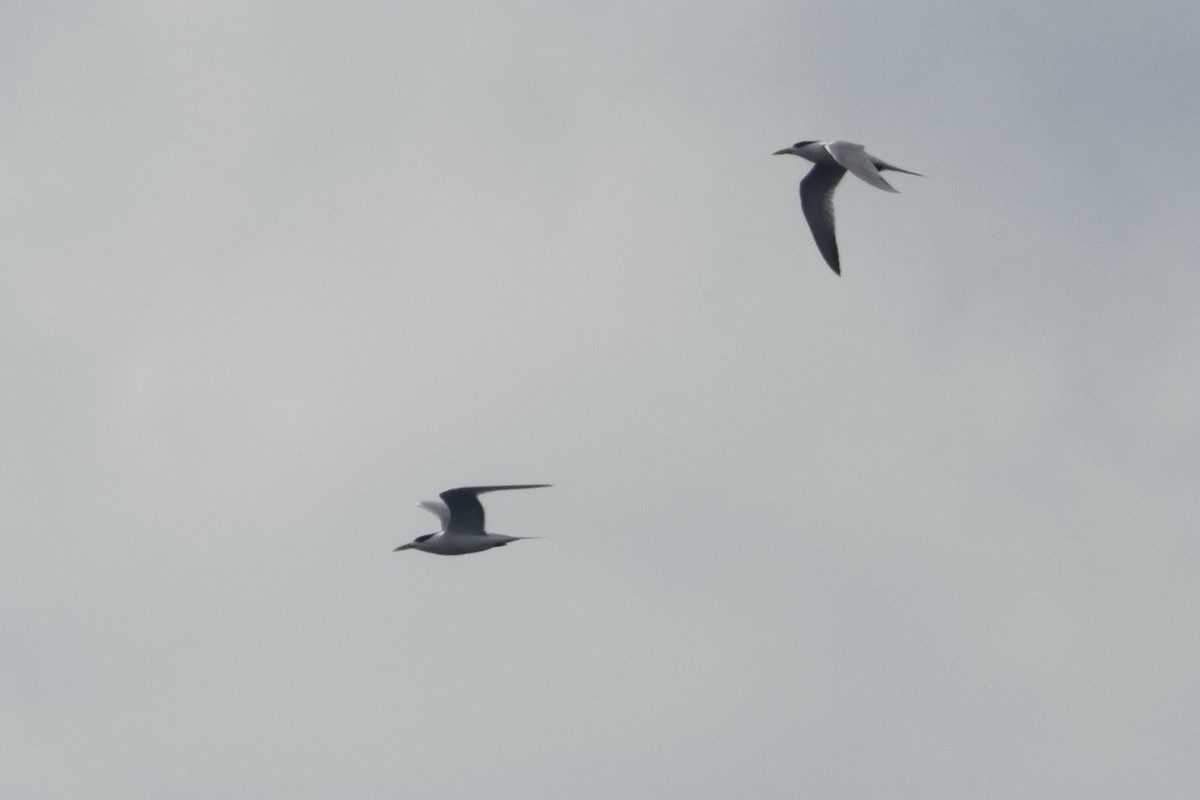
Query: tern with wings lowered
(832, 160)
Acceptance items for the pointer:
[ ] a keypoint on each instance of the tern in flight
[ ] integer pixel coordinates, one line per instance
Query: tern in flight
(832, 159)
(462, 530)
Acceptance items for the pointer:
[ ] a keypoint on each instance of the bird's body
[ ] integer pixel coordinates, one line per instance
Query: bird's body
(832, 160)
(462, 530)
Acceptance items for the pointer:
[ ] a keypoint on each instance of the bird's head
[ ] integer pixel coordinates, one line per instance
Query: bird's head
(415, 543)
(794, 150)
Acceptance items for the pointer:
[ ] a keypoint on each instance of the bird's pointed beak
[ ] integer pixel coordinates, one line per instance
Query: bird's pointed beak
(787, 151)
(408, 546)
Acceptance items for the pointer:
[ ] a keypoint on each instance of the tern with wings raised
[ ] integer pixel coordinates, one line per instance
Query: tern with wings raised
(462, 530)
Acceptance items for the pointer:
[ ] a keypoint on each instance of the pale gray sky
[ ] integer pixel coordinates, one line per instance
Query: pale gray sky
(272, 272)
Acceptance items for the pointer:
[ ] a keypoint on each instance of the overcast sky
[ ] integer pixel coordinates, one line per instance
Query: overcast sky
(273, 272)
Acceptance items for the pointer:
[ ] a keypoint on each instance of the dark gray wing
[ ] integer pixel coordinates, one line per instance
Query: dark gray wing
(466, 512)
(816, 198)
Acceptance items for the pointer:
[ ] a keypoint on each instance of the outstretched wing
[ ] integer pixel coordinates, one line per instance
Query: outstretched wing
(854, 158)
(466, 512)
(816, 198)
